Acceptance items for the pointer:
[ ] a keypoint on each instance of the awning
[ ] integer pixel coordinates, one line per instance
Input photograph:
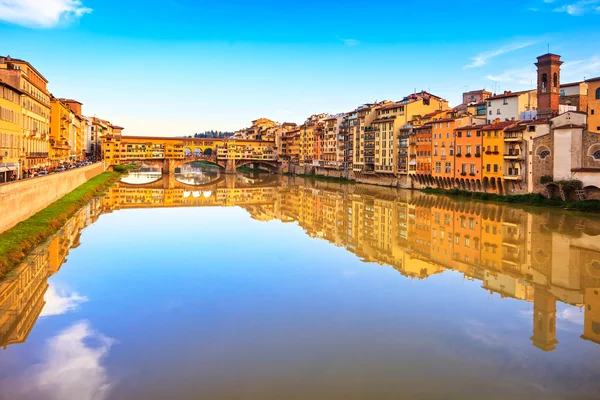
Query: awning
(3, 169)
(12, 168)
(412, 162)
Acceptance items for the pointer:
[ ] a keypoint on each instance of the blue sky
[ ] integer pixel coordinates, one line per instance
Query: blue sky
(184, 66)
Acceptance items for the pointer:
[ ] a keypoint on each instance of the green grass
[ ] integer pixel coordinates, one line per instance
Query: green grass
(326, 178)
(16, 242)
(123, 168)
(246, 168)
(532, 199)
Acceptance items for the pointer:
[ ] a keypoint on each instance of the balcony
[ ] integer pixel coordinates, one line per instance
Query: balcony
(514, 176)
(37, 155)
(371, 129)
(513, 154)
(369, 138)
(369, 146)
(513, 136)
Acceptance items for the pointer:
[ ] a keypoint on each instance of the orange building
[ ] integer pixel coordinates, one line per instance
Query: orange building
(423, 137)
(442, 233)
(467, 236)
(443, 147)
(468, 156)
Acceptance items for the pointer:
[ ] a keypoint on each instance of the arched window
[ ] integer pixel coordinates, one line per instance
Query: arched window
(598, 94)
(555, 80)
(544, 82)
(596, 155)
(544, 154)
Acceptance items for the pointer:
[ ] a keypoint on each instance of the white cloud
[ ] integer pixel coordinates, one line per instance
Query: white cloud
(522, 76)
(351, 42)
(41, 13)
(579, 8)
(482, 59)
(71, 366)
(60, 302)
(571, 71)
(577, 70)
(570, 315)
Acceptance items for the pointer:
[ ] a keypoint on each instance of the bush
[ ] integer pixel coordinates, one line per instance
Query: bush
(546, 179)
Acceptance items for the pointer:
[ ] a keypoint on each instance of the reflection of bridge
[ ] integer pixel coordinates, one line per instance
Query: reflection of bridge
(174, 182)
(169, 154)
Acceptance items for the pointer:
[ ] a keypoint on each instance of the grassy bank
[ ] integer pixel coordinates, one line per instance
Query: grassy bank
(534, 199)
(325, 178)
(16, 242)
(247, 169)
(125, 168)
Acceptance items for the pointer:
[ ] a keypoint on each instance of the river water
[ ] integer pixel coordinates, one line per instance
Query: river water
(265, 287)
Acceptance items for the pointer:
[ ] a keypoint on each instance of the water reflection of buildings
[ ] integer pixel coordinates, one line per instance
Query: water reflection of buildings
(22, 294)
(541, 258)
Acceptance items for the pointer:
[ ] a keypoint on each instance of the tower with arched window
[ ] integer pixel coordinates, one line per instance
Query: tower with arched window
(548, 85)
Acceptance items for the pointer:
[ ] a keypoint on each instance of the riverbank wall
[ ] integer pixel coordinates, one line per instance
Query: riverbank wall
(22, 199)
(390, 180)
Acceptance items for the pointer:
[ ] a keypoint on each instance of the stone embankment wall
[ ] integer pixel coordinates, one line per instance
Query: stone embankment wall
(20, 200)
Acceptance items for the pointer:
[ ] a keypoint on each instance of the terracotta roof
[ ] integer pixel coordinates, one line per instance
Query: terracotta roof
(508, 94)
(593, 79)
(468, 127)
(391, 106)
(571, 84)
(497, 126)
(433, 114)
(569, 126)
(9, 59)
(70, 101)
(516, 128)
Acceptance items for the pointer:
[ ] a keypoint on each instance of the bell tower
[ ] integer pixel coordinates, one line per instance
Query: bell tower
(544, 320)
(548, 85)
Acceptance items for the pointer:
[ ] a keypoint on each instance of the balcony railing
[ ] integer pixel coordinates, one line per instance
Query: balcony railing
(513, 136)
(37, 155)
(369, 137)
(513, 154)
(513, 176)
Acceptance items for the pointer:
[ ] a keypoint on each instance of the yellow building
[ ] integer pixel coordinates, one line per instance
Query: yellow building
(389, 119)
(60, 135)
(594, 104)
(10, 132)
(77, 129)
(98, 129)
(35, 110)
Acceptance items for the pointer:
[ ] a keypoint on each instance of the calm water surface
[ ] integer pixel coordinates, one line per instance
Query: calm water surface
(222, 287)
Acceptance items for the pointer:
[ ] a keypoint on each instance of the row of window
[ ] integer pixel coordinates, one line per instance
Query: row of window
(9, 115)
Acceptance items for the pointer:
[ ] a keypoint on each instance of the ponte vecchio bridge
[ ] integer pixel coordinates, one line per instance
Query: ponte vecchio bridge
(169, 153)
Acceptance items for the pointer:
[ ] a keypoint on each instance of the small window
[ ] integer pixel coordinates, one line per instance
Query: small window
(545, 154)
(596, 155)
(598, 94)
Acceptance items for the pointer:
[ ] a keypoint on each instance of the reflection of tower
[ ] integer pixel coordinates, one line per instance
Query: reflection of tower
(544, 320)
(591, 325)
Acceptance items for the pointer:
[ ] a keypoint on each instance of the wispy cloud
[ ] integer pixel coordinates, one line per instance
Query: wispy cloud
(522, 76)
(72, 365)
(571, 71)
(482, 59)
(60, 302)
(41, 13)
(579, 8)
(350, 42)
